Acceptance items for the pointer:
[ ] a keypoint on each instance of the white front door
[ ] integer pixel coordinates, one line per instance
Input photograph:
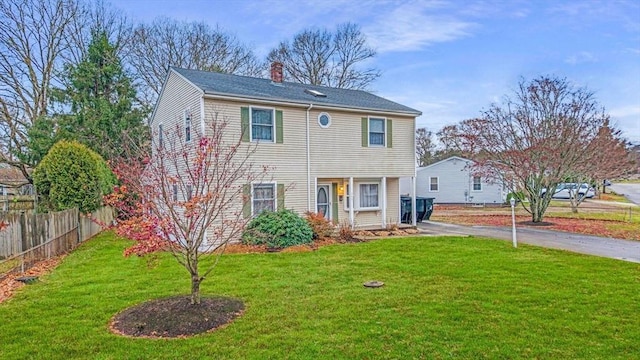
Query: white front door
(323, 202)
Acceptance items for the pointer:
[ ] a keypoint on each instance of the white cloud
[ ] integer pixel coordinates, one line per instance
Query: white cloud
(413, 26)
(581, 57)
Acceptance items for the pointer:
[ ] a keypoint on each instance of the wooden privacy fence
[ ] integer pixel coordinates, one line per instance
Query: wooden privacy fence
(30, 237)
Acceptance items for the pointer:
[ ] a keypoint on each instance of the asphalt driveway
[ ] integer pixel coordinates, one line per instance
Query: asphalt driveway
(630, 190)
(620, 249)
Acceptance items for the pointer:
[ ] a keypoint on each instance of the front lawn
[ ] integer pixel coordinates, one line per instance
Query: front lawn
(443, 297)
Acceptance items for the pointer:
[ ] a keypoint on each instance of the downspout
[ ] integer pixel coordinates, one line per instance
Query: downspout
(308, 163)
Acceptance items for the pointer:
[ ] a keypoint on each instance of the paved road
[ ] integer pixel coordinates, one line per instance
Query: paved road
(626, 250)
(630, 191)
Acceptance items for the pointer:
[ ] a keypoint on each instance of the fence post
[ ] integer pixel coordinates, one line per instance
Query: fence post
(23, 232)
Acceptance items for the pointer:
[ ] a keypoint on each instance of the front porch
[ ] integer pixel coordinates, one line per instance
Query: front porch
(361, 202)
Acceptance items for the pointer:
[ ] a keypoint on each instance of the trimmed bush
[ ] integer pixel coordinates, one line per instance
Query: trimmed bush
(277, 229)
(72, 175)
(321, 227)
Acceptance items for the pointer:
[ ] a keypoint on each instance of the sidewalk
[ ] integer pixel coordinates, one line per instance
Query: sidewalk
(620, 249)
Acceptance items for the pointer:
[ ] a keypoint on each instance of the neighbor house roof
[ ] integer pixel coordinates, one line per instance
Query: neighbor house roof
(10, 176)
(213, 83)
(444, 160)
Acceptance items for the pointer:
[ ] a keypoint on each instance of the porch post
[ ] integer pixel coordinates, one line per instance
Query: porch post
(413, 201)
(384, 201)
(351, 194)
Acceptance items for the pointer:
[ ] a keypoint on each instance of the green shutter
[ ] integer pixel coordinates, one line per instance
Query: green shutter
(389, 133)
(365, 132)
(244, 122)
(280, 197)
(279, 131)
(246, 201)
(334, 198)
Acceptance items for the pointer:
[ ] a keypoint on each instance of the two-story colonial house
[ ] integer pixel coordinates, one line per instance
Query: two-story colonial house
(337, 152)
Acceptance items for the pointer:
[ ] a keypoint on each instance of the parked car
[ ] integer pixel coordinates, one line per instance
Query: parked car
(567, 190)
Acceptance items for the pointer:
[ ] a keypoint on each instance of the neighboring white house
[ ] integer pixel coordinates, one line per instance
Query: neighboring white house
(451, 181)
(337, 152)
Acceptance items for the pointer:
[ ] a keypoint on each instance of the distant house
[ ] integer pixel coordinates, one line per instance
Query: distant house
(13, 182)
(451, 181)
(338, 152)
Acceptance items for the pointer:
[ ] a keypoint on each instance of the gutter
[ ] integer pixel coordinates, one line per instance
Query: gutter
(318, 106)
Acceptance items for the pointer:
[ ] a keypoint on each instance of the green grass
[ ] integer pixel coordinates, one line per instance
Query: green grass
(443, 297)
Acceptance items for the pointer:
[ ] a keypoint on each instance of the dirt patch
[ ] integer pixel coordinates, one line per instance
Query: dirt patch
(175, 317)
(535, 224)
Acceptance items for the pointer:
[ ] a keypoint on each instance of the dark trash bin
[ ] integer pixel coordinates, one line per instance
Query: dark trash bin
(424, 209)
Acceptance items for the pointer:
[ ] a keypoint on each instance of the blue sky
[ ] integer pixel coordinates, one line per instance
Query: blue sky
(451, 59)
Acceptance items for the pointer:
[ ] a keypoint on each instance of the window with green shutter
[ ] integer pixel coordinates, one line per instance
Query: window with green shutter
(262, 124)
(377, 132)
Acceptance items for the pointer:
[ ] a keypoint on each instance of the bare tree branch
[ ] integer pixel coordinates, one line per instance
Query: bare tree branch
(320, 57)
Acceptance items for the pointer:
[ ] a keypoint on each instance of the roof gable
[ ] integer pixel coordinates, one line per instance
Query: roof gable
(219, 84)
(444, 161)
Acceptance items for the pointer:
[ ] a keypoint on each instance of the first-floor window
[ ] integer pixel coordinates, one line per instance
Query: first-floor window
(263, 198)
(433, 183)
(368, 195)
(174, 192)
(189, 192)
(477, 183)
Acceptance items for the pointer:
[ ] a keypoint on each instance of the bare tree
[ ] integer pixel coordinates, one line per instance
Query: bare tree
(320, 57)
(190, 197)
(33, 38)
(98, 17)
(195, 45)
(424, 146)
(536, 139)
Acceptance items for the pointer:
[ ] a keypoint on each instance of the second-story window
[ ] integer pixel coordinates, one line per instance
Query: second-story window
(160, 135)
(262, 124)
(187, 125)
(376, 131)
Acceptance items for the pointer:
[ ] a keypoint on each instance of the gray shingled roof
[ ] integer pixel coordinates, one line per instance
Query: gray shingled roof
(256, 88)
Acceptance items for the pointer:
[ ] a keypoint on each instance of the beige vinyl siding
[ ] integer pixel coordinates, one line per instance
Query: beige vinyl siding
(393, 201)
(177, 96)
(338, 151)
(287, 160)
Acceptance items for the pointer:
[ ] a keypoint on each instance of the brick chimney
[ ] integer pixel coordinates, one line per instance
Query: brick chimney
(276, 72)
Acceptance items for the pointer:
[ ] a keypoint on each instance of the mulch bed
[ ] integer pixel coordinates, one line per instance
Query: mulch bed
(176, 317)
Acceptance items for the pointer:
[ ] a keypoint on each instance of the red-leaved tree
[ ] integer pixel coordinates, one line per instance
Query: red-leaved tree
(187, 197)
(544, 135)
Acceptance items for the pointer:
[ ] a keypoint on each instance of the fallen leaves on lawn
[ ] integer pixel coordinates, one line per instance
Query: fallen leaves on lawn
(9, 284)
(605, 228)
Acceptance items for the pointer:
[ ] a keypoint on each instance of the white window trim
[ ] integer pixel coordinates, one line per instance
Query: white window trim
(275, 195)
(384, 137)
(187, 115)
(437, 183)
(356, 198)
(472, 184)
(328, 116)
(273, 123)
